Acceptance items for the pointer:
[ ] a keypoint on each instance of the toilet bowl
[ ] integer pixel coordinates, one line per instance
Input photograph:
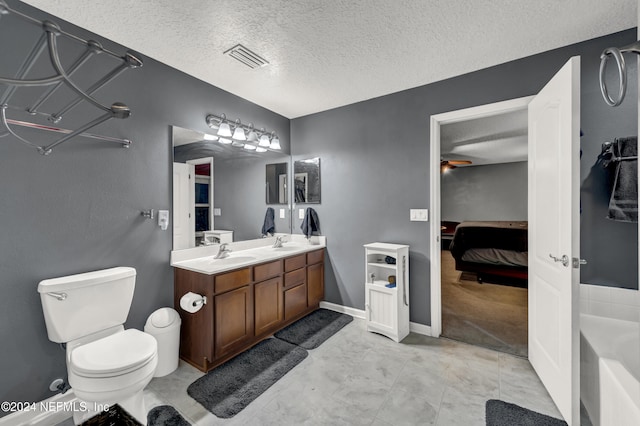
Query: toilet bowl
(106, 364)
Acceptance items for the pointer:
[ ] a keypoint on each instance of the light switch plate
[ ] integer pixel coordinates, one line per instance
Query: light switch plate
(217, 212)
(300, 213)
(419, 215)
(282, 214)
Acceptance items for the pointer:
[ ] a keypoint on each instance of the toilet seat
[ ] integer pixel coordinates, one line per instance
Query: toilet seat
(114, 355)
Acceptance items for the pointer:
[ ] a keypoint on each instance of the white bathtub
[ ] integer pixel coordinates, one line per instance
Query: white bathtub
(610, 370)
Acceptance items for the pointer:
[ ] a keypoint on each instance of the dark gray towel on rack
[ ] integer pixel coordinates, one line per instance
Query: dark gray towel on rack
(269, 226)
(311, 223)
(623, 205)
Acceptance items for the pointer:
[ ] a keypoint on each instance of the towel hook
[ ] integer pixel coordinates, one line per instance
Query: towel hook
(622, 71)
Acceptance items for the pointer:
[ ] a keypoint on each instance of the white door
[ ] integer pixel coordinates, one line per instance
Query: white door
(183, 206)
(554, 190)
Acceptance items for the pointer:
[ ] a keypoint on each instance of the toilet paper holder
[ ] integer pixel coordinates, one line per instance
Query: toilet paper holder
(201, 301)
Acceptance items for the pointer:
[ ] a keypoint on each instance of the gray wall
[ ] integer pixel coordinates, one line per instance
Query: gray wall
(375, 167)
(78, 209)
(491, 192)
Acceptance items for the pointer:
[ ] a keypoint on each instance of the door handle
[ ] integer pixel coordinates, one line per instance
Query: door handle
(564, 259)
(577, 262)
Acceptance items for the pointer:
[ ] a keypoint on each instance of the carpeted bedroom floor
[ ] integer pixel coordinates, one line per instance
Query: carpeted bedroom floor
(489, 315)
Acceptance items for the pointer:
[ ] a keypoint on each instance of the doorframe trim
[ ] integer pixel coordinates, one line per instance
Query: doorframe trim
(436, 121)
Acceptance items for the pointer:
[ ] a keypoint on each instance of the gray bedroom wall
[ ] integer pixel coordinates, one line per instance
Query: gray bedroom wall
(78, 209)
(491, 192)
(375, 167)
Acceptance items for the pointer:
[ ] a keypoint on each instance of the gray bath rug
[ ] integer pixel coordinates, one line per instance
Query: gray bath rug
(165, 415)
(309, 332)
(229, 388)
(500, 413)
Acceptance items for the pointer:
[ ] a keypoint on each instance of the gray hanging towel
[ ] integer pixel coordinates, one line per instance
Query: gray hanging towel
(311, 223)
(623, 205)
(269, 226)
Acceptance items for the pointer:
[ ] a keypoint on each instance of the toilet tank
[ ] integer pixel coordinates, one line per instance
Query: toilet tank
(78, 305)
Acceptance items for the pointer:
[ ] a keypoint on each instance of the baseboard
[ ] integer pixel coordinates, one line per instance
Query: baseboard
(51, 411)
(358, 313)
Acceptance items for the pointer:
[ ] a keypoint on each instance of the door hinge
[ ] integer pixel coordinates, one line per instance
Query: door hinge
(577, 262)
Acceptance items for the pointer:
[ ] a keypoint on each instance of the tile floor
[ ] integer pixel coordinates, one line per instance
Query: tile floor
(361, 378)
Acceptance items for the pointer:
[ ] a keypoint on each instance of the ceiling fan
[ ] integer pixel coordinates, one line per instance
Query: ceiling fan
(452, 164)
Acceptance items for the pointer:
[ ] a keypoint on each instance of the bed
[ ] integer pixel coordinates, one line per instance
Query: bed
(496, 249)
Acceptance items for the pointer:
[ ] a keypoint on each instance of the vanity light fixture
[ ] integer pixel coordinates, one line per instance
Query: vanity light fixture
(243, 132)
(208, 137)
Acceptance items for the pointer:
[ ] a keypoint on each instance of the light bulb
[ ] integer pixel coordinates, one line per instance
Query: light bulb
(261, 149)
(275, 143)
(224, 130)
(249, 147)
(224, 141)
(238, 134)
(208, 137)
(264, 140)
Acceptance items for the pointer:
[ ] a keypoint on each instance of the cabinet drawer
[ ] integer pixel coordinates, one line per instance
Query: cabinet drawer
(294, 278)
(295, 301)
(268, 270)
(231, 280)
(295, 262)
(315, 257)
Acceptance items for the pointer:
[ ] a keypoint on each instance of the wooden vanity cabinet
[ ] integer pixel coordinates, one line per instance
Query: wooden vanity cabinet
(246, 305)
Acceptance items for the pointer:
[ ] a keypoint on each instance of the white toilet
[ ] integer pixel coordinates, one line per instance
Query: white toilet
(106, 364)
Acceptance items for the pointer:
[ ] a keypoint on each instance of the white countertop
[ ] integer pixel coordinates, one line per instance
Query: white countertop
(243, 254)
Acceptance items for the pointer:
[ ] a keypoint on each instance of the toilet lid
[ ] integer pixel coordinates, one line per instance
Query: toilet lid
(116, 353)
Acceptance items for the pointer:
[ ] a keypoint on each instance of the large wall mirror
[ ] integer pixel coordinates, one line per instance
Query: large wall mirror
(219, 190)
(306, 181)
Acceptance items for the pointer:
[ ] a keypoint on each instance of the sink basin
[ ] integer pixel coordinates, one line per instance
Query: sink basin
(232, 260)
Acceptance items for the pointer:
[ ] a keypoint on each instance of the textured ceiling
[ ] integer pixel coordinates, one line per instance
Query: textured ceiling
(327, 53)
(500, 138)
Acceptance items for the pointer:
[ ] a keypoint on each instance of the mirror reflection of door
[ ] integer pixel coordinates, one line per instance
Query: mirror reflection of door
(276, 181)
(202, 198)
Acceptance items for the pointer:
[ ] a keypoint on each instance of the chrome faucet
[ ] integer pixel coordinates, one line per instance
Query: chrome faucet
(279, 241)
(223, 251)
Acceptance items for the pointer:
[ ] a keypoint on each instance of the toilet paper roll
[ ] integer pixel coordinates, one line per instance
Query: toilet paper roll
(191, 302)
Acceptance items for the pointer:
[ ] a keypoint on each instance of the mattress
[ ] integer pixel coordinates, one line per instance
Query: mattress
(494, 256)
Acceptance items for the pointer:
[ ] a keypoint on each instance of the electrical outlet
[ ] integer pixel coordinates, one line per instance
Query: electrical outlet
(300, 213)
(419, 215)
(282, 214)
(217, 212)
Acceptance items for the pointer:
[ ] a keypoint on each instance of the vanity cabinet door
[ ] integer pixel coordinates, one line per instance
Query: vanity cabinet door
(268, 305)
(295, 301)
(315, 284)
(233, 320)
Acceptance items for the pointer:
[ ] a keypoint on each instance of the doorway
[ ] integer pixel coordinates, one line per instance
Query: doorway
(461, 119)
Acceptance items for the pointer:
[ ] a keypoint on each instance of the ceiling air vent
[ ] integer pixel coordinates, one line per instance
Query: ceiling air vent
(247, 57)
